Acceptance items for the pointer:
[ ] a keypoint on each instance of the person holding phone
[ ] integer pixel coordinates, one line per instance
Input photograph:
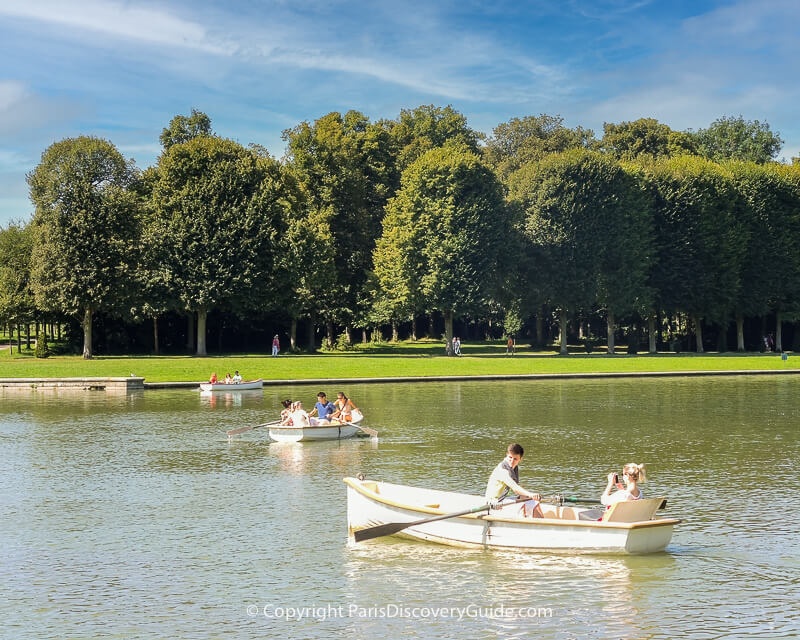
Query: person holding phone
(632, 474)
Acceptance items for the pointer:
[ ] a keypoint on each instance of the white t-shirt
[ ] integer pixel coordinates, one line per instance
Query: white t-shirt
(623, 495)
(300, 418)
(237, 379)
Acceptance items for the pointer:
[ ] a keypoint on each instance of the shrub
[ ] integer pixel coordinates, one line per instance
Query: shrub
(42, 350)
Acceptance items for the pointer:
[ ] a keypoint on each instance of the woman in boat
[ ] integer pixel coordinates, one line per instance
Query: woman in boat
(632, 474)
(299, 416)
(286, 414)
(344, 408)
(228, 379)
(213, 378)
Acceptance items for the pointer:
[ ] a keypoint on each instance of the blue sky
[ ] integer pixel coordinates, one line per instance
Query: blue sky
(122, 70)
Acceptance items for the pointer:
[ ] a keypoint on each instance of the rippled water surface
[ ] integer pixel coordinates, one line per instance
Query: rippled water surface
(131, 516)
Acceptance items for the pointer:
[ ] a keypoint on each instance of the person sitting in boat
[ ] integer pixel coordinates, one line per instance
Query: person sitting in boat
(300, 416)
(323, 409)
(286, 414)
(228, 379)
(632, 474)
(344, 408)
(237, 379)
(505, 480)
(213, 378)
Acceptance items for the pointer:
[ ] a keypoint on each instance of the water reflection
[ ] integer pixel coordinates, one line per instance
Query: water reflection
(138, 503)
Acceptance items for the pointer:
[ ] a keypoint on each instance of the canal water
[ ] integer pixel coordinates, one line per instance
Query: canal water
(132, 516)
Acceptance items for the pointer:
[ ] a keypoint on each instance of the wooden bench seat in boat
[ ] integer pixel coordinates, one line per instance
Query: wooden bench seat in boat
(633, 510)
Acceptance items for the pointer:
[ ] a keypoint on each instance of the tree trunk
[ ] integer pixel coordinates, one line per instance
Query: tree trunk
(430, 325)
(28, 336)
(58, 326)
(778, 333)
(611, 328)
(293, 334)
(201, 332)
(36, 334)
(739, 332)
(19, 338)
(312, 338)
(562, 326)
(155, 335)
(581, 330)
(651, 334)
(698, 333)
(87, 334)
(10, 339)
(329, 337)
(448, 331)
(364, 335)
(348, 334)
(395, 333)
(414, 328)
(190, 332)
(540, 329)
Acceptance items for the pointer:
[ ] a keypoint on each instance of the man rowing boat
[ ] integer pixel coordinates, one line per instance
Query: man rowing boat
(505, 479)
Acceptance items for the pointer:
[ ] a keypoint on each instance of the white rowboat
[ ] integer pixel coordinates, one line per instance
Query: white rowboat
(329, 431)
(626, 527)
(242, 386)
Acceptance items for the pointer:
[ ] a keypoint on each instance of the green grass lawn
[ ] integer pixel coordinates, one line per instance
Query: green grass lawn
(422, 358)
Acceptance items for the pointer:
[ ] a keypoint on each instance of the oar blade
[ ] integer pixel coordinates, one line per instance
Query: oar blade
(380, 530)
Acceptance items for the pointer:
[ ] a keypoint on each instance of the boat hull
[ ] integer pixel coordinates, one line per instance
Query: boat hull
(242, 386)
(314, 432)
(374, 503)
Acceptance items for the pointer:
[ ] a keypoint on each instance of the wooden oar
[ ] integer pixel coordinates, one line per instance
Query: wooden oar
(236, 432)
(394, 527)
(562, 499)
(367, 430)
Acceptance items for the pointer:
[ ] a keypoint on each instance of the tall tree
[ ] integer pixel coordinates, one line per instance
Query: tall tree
(345, 166)
(85, 227)
(445, 233)
(523, 140)
(700, 239)
(734, 138)
(16, 296)
(589, 224)
(417, 131)
(770, 271)
(644, 137)
(222, 210)
(184, 128)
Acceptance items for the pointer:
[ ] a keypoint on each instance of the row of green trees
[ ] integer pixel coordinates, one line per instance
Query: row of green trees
(367, 223)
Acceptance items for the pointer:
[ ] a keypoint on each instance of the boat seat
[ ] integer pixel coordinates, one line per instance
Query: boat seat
(633, 510)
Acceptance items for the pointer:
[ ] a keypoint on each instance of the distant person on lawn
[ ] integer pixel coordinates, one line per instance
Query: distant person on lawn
(276, 345)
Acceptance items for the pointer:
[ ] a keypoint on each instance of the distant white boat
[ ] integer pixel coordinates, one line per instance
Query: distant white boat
(625, 527)
(316, 431)
(242, 386)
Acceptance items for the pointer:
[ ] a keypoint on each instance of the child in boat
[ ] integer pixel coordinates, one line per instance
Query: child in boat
(344, 408)
(505, 479)
(299, 416)
(237, 379)
(228, 379)
(286, 414)
(213, 378)
(633, 474)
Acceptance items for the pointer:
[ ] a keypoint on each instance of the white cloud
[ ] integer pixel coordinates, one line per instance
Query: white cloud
(121, 20)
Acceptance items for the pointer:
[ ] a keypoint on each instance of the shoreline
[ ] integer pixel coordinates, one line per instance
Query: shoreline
(138, 383)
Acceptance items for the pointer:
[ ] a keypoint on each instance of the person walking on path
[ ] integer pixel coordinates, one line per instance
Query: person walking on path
(276, 345)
